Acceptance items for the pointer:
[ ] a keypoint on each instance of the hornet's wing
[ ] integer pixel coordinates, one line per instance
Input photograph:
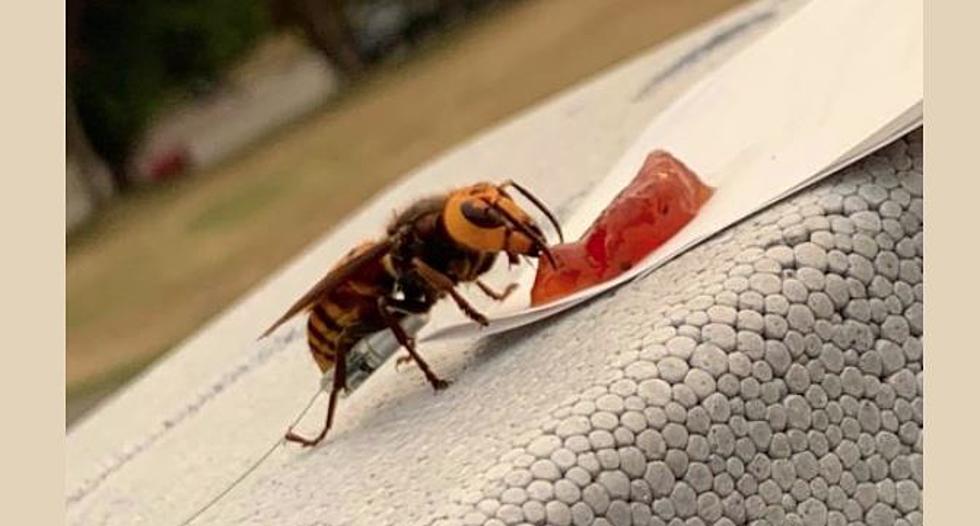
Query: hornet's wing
(339, 274)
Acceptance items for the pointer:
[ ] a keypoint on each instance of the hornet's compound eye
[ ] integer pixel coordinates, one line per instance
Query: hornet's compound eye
(481, 214)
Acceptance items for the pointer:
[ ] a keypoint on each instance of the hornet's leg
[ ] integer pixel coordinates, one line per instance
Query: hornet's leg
(409, 343)
(402, 360)
(339, 382)
(442, 283)
(408, 307)
(499, 296)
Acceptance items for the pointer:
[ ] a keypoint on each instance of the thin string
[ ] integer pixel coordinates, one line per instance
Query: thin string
(255, 465)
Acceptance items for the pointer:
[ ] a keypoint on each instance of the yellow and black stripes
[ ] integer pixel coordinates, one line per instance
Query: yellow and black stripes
(323, 335)
(349, 311)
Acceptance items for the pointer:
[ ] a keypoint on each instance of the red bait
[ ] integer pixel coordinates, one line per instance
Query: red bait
(663, 197)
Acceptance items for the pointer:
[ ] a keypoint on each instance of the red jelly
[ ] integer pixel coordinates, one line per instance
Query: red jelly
(660, 200)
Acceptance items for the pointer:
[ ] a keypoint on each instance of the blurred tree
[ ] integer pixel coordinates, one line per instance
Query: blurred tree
(353, 33)
(95, 176)
(127, 58)
(325, 25)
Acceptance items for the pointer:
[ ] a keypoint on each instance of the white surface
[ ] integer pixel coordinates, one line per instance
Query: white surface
(819, 91)
(182, 431)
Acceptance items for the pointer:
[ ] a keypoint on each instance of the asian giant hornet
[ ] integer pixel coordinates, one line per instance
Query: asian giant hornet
(430, 248)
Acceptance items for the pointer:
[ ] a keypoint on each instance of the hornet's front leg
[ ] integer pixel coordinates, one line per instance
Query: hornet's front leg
(441, 282)
(385, 305)
(499, 296)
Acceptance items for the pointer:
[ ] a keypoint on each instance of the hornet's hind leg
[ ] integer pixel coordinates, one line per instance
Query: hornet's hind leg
(339, 383)
(385, 308)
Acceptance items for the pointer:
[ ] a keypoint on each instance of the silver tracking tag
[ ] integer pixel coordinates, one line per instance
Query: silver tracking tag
(371, 352)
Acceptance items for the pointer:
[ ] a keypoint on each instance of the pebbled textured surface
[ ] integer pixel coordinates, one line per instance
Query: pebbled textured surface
(771, 373)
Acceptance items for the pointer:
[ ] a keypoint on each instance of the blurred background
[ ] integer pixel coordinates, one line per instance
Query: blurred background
(209, 141)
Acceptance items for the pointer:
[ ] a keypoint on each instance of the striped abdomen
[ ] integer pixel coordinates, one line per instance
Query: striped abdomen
(346, 315)
(323, 335)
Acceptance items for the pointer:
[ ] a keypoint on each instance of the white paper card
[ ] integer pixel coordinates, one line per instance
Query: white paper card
(831, 84)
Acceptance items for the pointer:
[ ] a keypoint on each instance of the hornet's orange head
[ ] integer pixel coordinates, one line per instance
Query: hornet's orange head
(485, 218)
